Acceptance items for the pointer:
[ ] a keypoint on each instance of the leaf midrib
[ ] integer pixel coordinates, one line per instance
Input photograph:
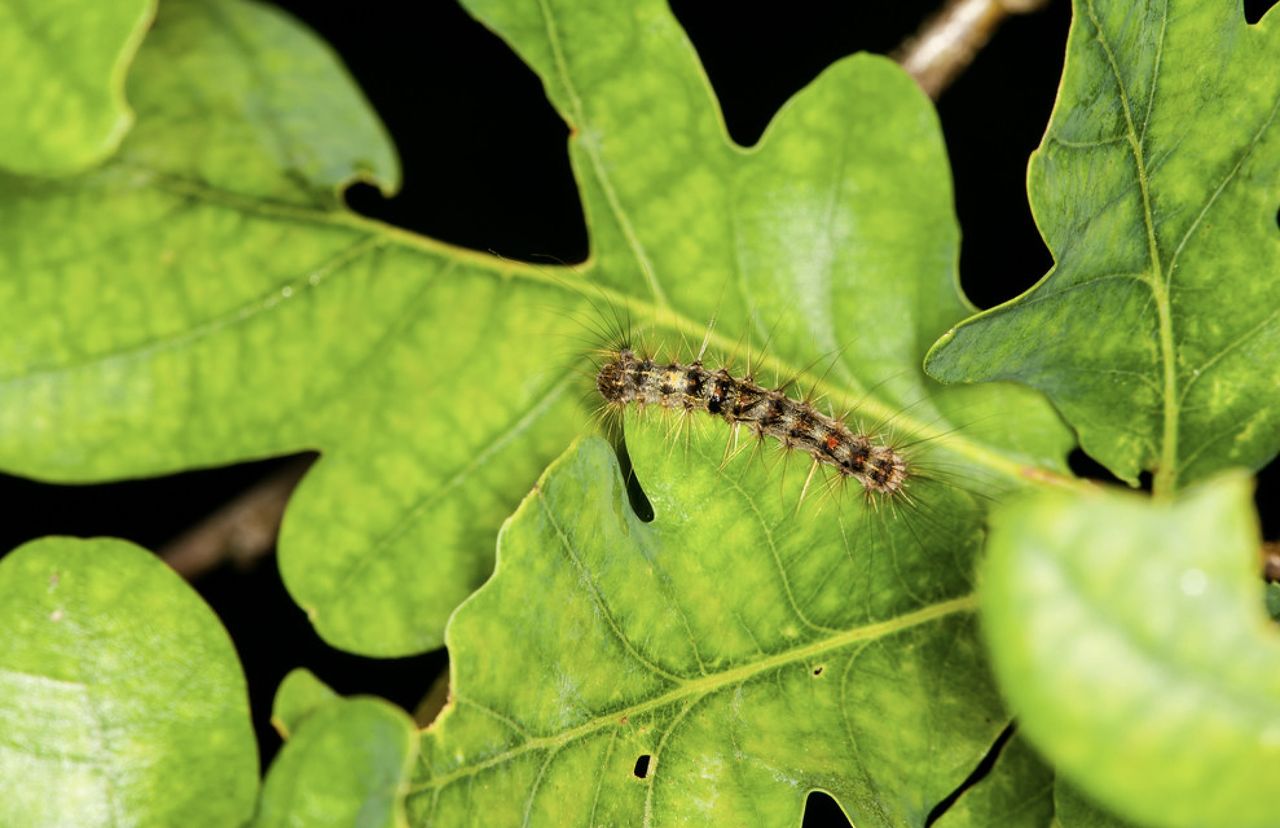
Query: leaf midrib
(592, 151)
(1165, 479)
(705, 685)
(654, 312)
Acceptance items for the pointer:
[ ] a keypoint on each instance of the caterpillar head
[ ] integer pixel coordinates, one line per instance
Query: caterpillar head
(614, 381)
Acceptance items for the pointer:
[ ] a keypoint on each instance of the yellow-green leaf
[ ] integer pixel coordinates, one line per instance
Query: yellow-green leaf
(205, 297)
(299, 695)
(1157, 333)
(62, 105)
(347, 764)
(716, 665)
(121, 698)
(1131, 639)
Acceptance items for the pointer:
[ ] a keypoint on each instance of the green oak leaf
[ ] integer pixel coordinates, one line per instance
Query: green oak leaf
(1074, 810)
(1133, 645)
(736, 652)
(121, 698)
(62, 105)
(1018, 791)
(1156, 333)
(299, 695)
(239, 311)
(204, 298)
(833, 240)
(346, 764)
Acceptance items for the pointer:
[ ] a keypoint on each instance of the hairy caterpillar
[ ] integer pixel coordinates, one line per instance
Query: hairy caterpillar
(627, 370)
(628, 377)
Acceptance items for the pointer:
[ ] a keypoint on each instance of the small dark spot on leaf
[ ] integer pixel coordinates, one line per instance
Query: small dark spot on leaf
(1255, 9)
(641, 769)
(817, 671)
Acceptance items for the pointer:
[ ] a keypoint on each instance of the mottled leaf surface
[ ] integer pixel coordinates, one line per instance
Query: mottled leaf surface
(1157, 187)
(62, 105)
(1021, 790)
(204, 298)
(833, 239)
(1131, 639)
(715, 665)
(239, 311)
(121, 697)
(1018, 791)
(1073, 810)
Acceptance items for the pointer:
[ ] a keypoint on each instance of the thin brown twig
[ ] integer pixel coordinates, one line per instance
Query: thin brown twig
(241, 531)
(949, 40)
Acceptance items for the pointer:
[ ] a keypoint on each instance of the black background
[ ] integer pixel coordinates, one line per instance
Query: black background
(485, 166)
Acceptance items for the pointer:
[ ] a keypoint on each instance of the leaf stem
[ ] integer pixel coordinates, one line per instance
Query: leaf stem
(1165, 480)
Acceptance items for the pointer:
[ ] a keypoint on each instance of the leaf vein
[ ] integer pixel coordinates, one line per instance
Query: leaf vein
(236, 316)
(597, 163)
(709, 684)
(593, 591)
(1166, 475)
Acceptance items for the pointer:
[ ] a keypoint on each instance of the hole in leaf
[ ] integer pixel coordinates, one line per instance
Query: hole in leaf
(641, 769)
(821, 811)
(635, 493)
(1082, 465)
(817, 671)
(979, 773)
(1255, 9)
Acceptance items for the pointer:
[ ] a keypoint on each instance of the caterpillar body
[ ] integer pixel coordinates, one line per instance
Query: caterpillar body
(630, 378)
